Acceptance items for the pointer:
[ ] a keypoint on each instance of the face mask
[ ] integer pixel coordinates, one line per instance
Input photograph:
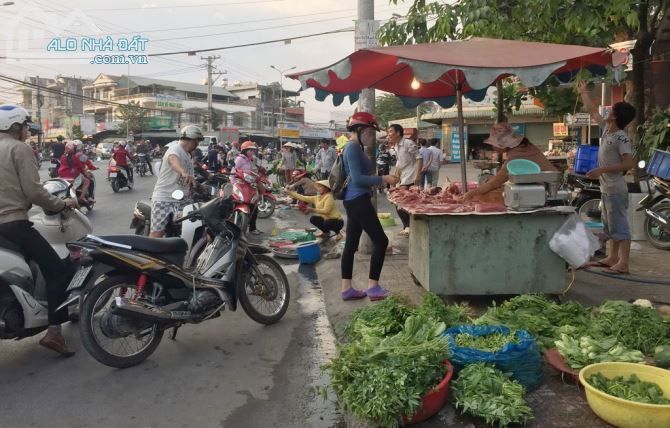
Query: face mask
(368, 138)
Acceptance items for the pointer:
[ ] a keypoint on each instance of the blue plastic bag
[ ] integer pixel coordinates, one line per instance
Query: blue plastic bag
(521, 360)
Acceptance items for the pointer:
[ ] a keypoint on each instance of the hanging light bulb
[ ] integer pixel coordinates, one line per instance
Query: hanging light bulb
(415, 84)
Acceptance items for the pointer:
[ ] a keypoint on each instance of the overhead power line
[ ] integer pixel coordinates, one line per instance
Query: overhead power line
(193, 52)
(183, 6)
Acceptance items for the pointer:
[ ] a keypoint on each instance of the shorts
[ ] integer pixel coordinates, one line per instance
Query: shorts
(161, 213)
(615, 216)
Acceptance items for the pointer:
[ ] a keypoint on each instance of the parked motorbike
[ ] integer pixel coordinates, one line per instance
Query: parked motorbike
(586, 196)
(146, 291)
(23, 301)
(118, 178)
(656, 207)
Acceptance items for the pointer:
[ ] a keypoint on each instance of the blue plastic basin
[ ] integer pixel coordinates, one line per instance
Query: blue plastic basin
(309, 252)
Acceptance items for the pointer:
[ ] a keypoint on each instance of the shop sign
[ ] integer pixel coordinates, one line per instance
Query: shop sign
(560, 130)
(578, 119)
(316, 133)
(456, 144)
(289, 130)
(169, 101)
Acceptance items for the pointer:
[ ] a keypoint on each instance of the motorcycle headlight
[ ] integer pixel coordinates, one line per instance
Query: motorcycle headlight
(249, 178)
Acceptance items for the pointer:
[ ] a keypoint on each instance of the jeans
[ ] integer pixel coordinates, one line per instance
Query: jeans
(615, 216)
(361, 216)
(56, 272)
(327, 226)
(427, 177)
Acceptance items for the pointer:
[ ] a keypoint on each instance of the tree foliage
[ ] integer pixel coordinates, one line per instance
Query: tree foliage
(513, 95)
(583, 22)
(388, 107)
(133, 117)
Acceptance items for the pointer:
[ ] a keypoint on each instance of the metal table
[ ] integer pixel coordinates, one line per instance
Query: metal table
(505, 253)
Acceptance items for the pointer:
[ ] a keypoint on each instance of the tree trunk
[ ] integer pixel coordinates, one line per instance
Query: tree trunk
(500, 102)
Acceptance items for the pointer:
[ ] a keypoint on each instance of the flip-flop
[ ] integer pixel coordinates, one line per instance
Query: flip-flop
(377, 293)
(353, 294)
(616, 272)
(596, 264)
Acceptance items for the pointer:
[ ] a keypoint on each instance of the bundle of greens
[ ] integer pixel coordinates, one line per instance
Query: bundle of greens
(636, 327)
(632, 389)
(538, 316)
(388, 316)
(433, 307)
(383, 378)
(482, 390)
(587, 350)
(381, 319)
(489, 343)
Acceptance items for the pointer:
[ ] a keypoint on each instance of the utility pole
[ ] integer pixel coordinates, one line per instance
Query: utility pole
(39, 112)
(364, 37)
(210, 84)
(281, 100)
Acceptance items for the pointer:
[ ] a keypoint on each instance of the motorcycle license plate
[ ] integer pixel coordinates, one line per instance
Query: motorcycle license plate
(112, 175)
(79, 277)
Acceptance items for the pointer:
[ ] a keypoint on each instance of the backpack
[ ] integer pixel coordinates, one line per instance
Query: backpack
(338, 178)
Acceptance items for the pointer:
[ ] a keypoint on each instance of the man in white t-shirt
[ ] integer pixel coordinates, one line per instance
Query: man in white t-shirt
(408, 165)
(176, 173)
(614, 160)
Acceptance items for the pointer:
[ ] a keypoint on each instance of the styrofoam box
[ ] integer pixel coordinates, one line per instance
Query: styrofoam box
(636, 218)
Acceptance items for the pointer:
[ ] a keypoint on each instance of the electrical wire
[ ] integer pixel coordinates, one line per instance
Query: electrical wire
(629, 278)
(183, 6)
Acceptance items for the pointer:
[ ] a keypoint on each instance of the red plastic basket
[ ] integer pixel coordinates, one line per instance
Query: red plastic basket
(433, 400)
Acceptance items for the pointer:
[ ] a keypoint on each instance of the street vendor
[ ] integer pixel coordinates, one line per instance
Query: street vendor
(301, 183)
(512, 146)
(327, 218)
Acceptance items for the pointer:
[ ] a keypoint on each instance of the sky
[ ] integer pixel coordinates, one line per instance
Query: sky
(175, 25)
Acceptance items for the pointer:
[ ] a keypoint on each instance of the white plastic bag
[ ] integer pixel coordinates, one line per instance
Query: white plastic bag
(574, 242)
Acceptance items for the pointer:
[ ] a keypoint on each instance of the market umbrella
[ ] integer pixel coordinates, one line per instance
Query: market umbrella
(444, 72)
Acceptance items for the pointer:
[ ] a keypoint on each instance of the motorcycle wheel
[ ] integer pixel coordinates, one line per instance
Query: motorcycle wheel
(266, 207)
(254, 297)
(93, 312)
(115, 185)
(656, 234)
(588, 209)
(143, 170)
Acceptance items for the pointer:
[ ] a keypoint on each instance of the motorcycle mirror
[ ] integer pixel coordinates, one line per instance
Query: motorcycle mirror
(178, 195)
(641, 164)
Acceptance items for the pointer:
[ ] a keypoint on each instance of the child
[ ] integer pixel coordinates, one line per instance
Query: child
(327, 217)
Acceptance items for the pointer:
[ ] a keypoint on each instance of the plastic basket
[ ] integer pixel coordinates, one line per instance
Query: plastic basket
(586, 158)
(659, 165)
(522, 167)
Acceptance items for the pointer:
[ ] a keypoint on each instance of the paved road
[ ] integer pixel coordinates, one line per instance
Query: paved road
(229, 372)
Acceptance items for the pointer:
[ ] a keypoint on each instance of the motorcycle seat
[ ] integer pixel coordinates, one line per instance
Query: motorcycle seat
(150, 245)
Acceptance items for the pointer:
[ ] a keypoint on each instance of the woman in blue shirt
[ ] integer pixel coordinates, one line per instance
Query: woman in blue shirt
(361, 215)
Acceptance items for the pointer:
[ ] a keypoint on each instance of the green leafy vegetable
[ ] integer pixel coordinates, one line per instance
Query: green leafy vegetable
(636, 327)
(538, 316)
(482, 390)
(632, 389)
(587, 350)
(381, 319)
(488, 343)
(432, 306)
(382, 378)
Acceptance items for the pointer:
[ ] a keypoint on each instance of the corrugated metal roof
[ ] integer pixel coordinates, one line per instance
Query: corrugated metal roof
(179, 86)
(480, 114)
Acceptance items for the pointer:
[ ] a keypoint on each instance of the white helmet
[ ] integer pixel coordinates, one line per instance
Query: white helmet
(11, 114)
(191, 132)
(78, 143)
